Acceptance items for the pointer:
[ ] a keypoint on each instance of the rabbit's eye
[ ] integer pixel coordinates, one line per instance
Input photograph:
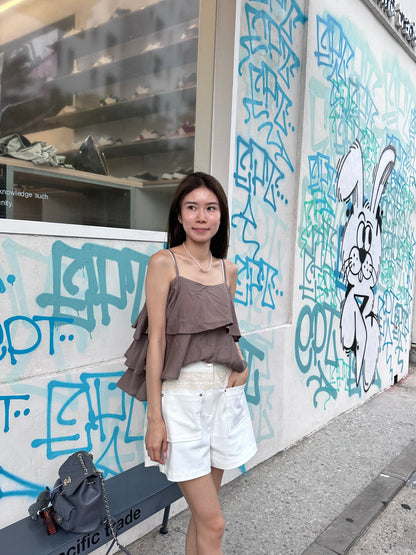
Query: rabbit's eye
(368, 237)
(361, 235)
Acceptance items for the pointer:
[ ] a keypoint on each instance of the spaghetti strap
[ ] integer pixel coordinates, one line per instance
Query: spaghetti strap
(223, 271)
(174, 260)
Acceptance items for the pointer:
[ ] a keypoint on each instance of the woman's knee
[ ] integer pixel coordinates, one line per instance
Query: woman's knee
(215, 526)
(220, 526)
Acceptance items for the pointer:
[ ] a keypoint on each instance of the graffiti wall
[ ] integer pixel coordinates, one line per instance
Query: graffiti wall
(323, 203)
(356, 226)
(269, 76)
(66, 309)
(265, 173)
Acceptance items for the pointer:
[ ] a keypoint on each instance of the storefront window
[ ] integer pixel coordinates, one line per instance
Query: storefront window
(97, 109)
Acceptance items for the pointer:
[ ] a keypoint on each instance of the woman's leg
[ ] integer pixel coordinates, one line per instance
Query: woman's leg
(191, 546)
(206, 526)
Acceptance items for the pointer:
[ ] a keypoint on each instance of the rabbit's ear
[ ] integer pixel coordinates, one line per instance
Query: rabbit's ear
(350, 175)
(381, 174)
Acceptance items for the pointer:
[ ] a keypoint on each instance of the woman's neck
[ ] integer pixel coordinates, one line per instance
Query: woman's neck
(198, 250)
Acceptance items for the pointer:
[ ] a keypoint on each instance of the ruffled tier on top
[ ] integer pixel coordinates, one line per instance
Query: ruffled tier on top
(201, 324)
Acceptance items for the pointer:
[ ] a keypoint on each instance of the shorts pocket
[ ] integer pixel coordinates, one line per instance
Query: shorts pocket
(236, 406)
(182, 416)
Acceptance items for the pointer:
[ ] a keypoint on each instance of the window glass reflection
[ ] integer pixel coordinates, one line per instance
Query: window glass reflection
(97, 108)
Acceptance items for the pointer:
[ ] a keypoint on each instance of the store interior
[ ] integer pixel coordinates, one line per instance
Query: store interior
(98, 99)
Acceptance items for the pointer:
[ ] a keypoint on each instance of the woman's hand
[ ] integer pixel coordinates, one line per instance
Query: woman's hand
(156, 441)
(237, 378)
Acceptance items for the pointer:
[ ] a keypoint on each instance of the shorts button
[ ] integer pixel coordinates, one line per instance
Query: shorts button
(201, 394)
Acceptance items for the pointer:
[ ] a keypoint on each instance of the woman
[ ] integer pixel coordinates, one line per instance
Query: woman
(185, 360)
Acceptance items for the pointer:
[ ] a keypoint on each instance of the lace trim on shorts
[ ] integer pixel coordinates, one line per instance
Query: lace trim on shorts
(191, 378)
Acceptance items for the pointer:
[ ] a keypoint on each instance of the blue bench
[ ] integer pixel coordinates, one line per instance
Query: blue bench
(134, 495)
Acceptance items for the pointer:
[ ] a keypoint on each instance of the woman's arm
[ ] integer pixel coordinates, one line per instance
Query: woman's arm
(236, 378)
(160, 273)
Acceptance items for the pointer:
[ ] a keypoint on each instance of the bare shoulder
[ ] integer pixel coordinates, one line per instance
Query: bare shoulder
(231, 269)
(161, 263)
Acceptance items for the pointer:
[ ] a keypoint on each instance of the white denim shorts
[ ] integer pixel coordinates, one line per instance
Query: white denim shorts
(207, 423)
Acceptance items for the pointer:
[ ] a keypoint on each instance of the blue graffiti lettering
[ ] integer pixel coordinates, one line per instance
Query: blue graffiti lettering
(79, 417)
(7, 400)
(12, 326)
(21, 487)
(88, 265)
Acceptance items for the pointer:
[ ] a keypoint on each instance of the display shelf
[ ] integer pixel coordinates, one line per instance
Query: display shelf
(147, 146)
(123, 28)
(50, 174)
(159, 184)
(133, 63)
(58, 194)
(64, 195)
(153, 61)
(141, 106)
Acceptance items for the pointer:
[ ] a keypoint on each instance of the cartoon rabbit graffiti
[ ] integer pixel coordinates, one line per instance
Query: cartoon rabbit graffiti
(361, 257)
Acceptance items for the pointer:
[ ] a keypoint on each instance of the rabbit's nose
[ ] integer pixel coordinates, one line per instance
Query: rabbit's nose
(363, 254)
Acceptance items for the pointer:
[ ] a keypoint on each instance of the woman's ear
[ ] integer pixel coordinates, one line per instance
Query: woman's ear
(179, 218)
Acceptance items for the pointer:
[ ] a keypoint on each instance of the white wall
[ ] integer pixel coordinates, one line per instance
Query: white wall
(355, 89)
(409, 8)
(67, 306)
(298, 114)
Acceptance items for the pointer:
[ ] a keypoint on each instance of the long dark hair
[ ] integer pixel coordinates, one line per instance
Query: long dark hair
(176, 233)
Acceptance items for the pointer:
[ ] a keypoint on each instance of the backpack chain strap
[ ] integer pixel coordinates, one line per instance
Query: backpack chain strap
(81, 460)
(110, 518)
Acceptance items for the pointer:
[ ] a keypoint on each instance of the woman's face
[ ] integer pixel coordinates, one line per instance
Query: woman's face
(200, 214)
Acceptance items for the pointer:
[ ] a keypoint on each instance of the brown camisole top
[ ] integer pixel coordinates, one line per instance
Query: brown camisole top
(201, 324)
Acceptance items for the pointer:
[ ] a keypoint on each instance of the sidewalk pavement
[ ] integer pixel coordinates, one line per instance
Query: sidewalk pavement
(348, 488)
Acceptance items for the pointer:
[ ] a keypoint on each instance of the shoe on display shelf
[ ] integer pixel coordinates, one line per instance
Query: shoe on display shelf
(109, 99)
(143, 176)
(152, 46)
(178, 173)
(69, 109)
(105, 141)
(109, 141)
(184, 130)
(71, 32)
(146, 135)
(141, 91)
(190, 32)
(103, 61)
(182, 172)
(187, 80)
(120, 12)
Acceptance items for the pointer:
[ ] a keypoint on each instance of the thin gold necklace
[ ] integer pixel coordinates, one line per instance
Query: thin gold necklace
(196, 261)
